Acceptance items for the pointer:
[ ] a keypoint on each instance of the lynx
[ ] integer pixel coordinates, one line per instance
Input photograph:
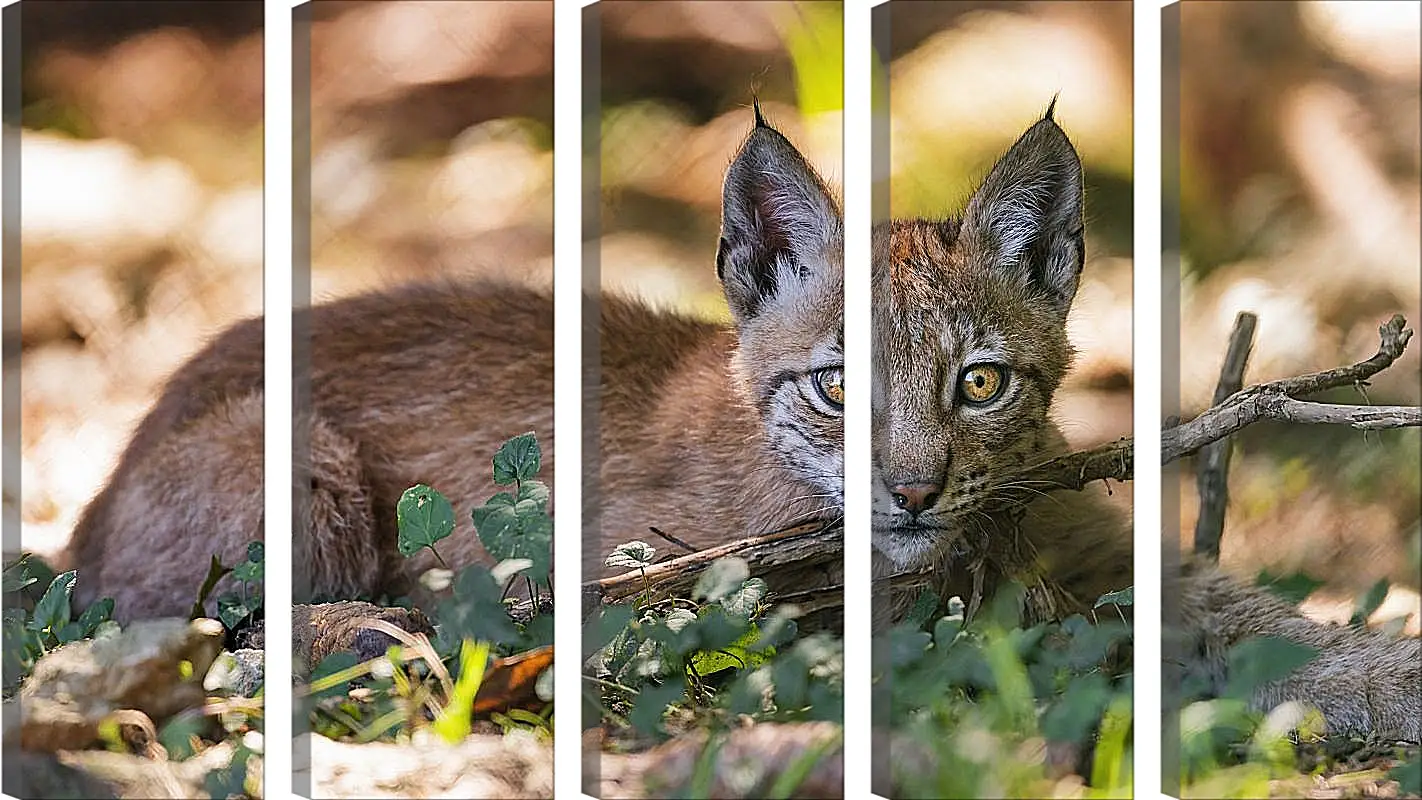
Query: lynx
(709, 432)
(969, 346)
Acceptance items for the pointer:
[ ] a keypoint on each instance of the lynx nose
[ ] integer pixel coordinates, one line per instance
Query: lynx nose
(916, 498)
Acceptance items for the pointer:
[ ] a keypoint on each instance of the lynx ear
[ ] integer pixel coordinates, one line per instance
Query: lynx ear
(1026, 218)
(777, 222)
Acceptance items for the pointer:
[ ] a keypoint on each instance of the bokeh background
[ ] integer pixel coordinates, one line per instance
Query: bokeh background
(432, 137)
(676, 86)
(1299, 147)
(142, 158)
(141, 224)
(965, 80)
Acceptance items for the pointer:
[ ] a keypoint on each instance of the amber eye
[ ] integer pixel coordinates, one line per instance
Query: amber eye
(982, 383)
(830, 383)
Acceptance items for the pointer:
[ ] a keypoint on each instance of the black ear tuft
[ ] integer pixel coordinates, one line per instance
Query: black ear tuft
(759, 117)
(1026, 218)
(1051, 108)
(777, 221)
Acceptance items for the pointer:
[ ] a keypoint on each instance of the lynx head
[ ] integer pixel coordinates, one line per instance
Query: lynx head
(970, 344)
(781, 265)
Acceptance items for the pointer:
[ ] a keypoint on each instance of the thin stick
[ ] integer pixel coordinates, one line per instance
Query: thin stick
(1212, 470)
(679, 543)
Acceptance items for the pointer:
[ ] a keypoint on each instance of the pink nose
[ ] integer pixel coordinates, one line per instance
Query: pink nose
(915, 498)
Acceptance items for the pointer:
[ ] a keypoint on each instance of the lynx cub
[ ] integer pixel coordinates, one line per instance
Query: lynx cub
(970, 344)
(708, 433)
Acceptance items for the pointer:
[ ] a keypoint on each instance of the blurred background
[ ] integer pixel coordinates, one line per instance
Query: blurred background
(142, 197)
(676, 88)
(141, 224)
(432, 137)
(1300, 157)
(965, 80)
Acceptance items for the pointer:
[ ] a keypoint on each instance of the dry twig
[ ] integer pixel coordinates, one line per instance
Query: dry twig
(1212, 472)
(1273, 400)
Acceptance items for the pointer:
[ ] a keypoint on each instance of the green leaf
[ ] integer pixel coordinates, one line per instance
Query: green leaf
(775, 631)
(923, 609)
(535, 492)
(1263, 660)
(603, 625)
(737, 655)
(476, 611)
(520, 531)
(20, 649)
(69, 632)
(423, 517)
(18, 574)
(52, 612)
(98, 611)
(1092, 643)
(904, 645)
(232, 610)
(791, 680)
(1124, 597)
(745, 601)
(713, 629)
(725, 575)
(248, 572)
(1074, 716)
(518, 459)
(1369, 602)
(946, 630)
(652, 702)
(231, 780)
(632, 555)
(256, 552)
(1294, 588)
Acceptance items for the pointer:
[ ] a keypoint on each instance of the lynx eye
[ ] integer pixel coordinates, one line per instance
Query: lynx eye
(982, 383)
(830, 384)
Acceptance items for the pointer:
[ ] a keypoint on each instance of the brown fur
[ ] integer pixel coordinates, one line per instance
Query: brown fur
(421, 384)
(415, 385)
(1361, 680)
(682, 442)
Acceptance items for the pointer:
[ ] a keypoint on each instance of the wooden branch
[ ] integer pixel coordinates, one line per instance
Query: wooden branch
(1076, 471)
(808, 555)
(1273, 400)
(1278, 400)
(1212, 475)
